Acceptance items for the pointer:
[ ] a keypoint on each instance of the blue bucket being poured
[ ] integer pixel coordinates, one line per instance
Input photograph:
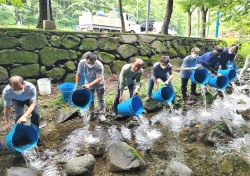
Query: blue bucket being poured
(131, 107)
(22, 137)
(199, 76)
(66, 90)
(165, 94)
(229, 73)
(81, 98)
(219, 82)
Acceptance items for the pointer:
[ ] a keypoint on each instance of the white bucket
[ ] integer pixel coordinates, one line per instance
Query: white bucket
(44, 86)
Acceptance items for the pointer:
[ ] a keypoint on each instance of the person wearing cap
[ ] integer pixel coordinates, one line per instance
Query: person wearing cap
(161, 70)
(19, 93)
(92, 69)
(211, 60)
(228, 57)
(188, 65)
(130, 76)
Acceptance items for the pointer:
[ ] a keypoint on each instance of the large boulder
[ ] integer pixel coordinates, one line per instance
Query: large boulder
(33, 41)
(108, 44)
(20, 171)
(107, 70)
(145, 49)
(145, 38)
(71, 42)
(199, 44)
(129, 39)
(8, 42)
(26, 71)
(70, 77)
(178, 169)
(127, 50)
(122, 157)
(106, 58)
(171, 52)
(56, 41)
(82, 165)
(246, 114)
(159, 47)
(89, 44)
(176, 61)
(70, 66)
(8, 57)
(73, 55)
(144, 58)
(117, 66)
(56, 73)
(3, 75)
(181, 51)
(16, 33)
(50, 56)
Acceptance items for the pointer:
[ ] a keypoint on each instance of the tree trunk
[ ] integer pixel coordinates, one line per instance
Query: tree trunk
(169, 11)
(121, 15)
(43, 12)
(189, 23)
(203, 21)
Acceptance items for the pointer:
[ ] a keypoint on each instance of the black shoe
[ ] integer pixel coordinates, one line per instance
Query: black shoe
(92, 117)
(195, 94)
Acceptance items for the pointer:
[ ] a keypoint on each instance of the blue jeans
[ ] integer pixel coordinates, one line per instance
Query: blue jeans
(151, 83)
(131, 88)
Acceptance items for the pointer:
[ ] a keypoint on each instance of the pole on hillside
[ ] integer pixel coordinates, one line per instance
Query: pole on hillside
(137, 9)
(48, 11)
(217, 25)
(147, 20)
(208, 20)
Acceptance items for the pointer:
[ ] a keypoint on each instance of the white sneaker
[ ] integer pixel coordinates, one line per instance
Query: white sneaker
(102, 118)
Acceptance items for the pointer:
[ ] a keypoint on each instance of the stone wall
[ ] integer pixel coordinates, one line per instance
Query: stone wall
(34, 54)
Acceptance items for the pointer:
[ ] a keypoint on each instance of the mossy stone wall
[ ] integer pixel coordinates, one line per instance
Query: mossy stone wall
(35, 54)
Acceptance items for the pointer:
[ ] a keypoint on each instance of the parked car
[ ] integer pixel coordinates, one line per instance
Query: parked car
(155, 28)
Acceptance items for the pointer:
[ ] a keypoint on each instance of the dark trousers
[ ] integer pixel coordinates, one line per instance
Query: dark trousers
(100, 98)
(131, 88)
(184, 82)
(19, 110)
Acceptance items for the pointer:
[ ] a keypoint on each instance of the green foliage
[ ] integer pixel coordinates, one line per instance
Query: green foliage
(58, 102)
(7, 17)
(109, 100)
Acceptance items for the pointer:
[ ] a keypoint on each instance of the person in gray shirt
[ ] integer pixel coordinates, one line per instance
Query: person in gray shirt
(161, 70)
(92, 69)
(19, 93)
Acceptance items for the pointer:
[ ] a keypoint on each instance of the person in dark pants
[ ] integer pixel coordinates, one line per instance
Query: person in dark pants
(187, 66)
(161, 70)
(130, 76)
(211, 60)
(228, 57)
(19, 93)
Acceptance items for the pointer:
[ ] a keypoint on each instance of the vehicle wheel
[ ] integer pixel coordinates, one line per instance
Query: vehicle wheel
(106, 31)
(132, 32)
(96, 30)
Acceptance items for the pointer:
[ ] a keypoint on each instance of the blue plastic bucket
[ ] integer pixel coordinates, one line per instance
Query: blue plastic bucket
(131, 107)
(66, 90)
(220, 82)
(22, 137)
(165, 94)
(229, 73)
(199, 76)
(81, 98)
(82, 81)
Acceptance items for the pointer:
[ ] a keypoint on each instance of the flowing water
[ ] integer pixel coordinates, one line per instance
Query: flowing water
(155, 128)
(203, 93)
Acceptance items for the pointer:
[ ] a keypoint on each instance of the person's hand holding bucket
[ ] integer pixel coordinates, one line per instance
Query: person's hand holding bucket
(86, 86)
(136, 91)
(22, 120)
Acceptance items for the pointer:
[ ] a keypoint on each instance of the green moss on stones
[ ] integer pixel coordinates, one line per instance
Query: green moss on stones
(199, 44)
(70, 77)
(145, 49)
(181, 51)
(50, 56)
(17, 57)
(174, 44)
(56, 41)
(89, 44)
(26, 71)
(70, 65)
(70, 42)
(171, 52)
(127, 50)
(8, 42)
(159, 47)
(73, 55)
(144, 58)
(117, 66)
(129, 39)
(3, 75)
(107, 70)
(135, 153)
(108, 44)
(106, 57)
(56, 73)
(145, 38)
(33, 41)
(13, 33)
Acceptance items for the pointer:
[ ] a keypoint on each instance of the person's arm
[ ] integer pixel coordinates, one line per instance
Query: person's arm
(122, 82)
(78, 78)
(7, 114)
(78, 74)
(185, 67)
(138, 82)
(170, 77)
(30, 109)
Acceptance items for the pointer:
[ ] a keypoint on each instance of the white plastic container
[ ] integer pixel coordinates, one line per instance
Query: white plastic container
(44, 86)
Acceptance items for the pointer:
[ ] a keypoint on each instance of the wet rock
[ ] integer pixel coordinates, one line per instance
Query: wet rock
(226, 167)
(95, 149)
(178, 169)
(241, 102)
(246, 114)
(20, 171)
(152, 106)
(65, 116)
(122, 157)
(160, 173)
(82, 165)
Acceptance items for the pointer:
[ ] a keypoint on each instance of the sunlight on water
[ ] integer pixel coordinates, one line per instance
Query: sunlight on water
(153, 134)
(86, 116)
(126, 133)
(203, 92)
